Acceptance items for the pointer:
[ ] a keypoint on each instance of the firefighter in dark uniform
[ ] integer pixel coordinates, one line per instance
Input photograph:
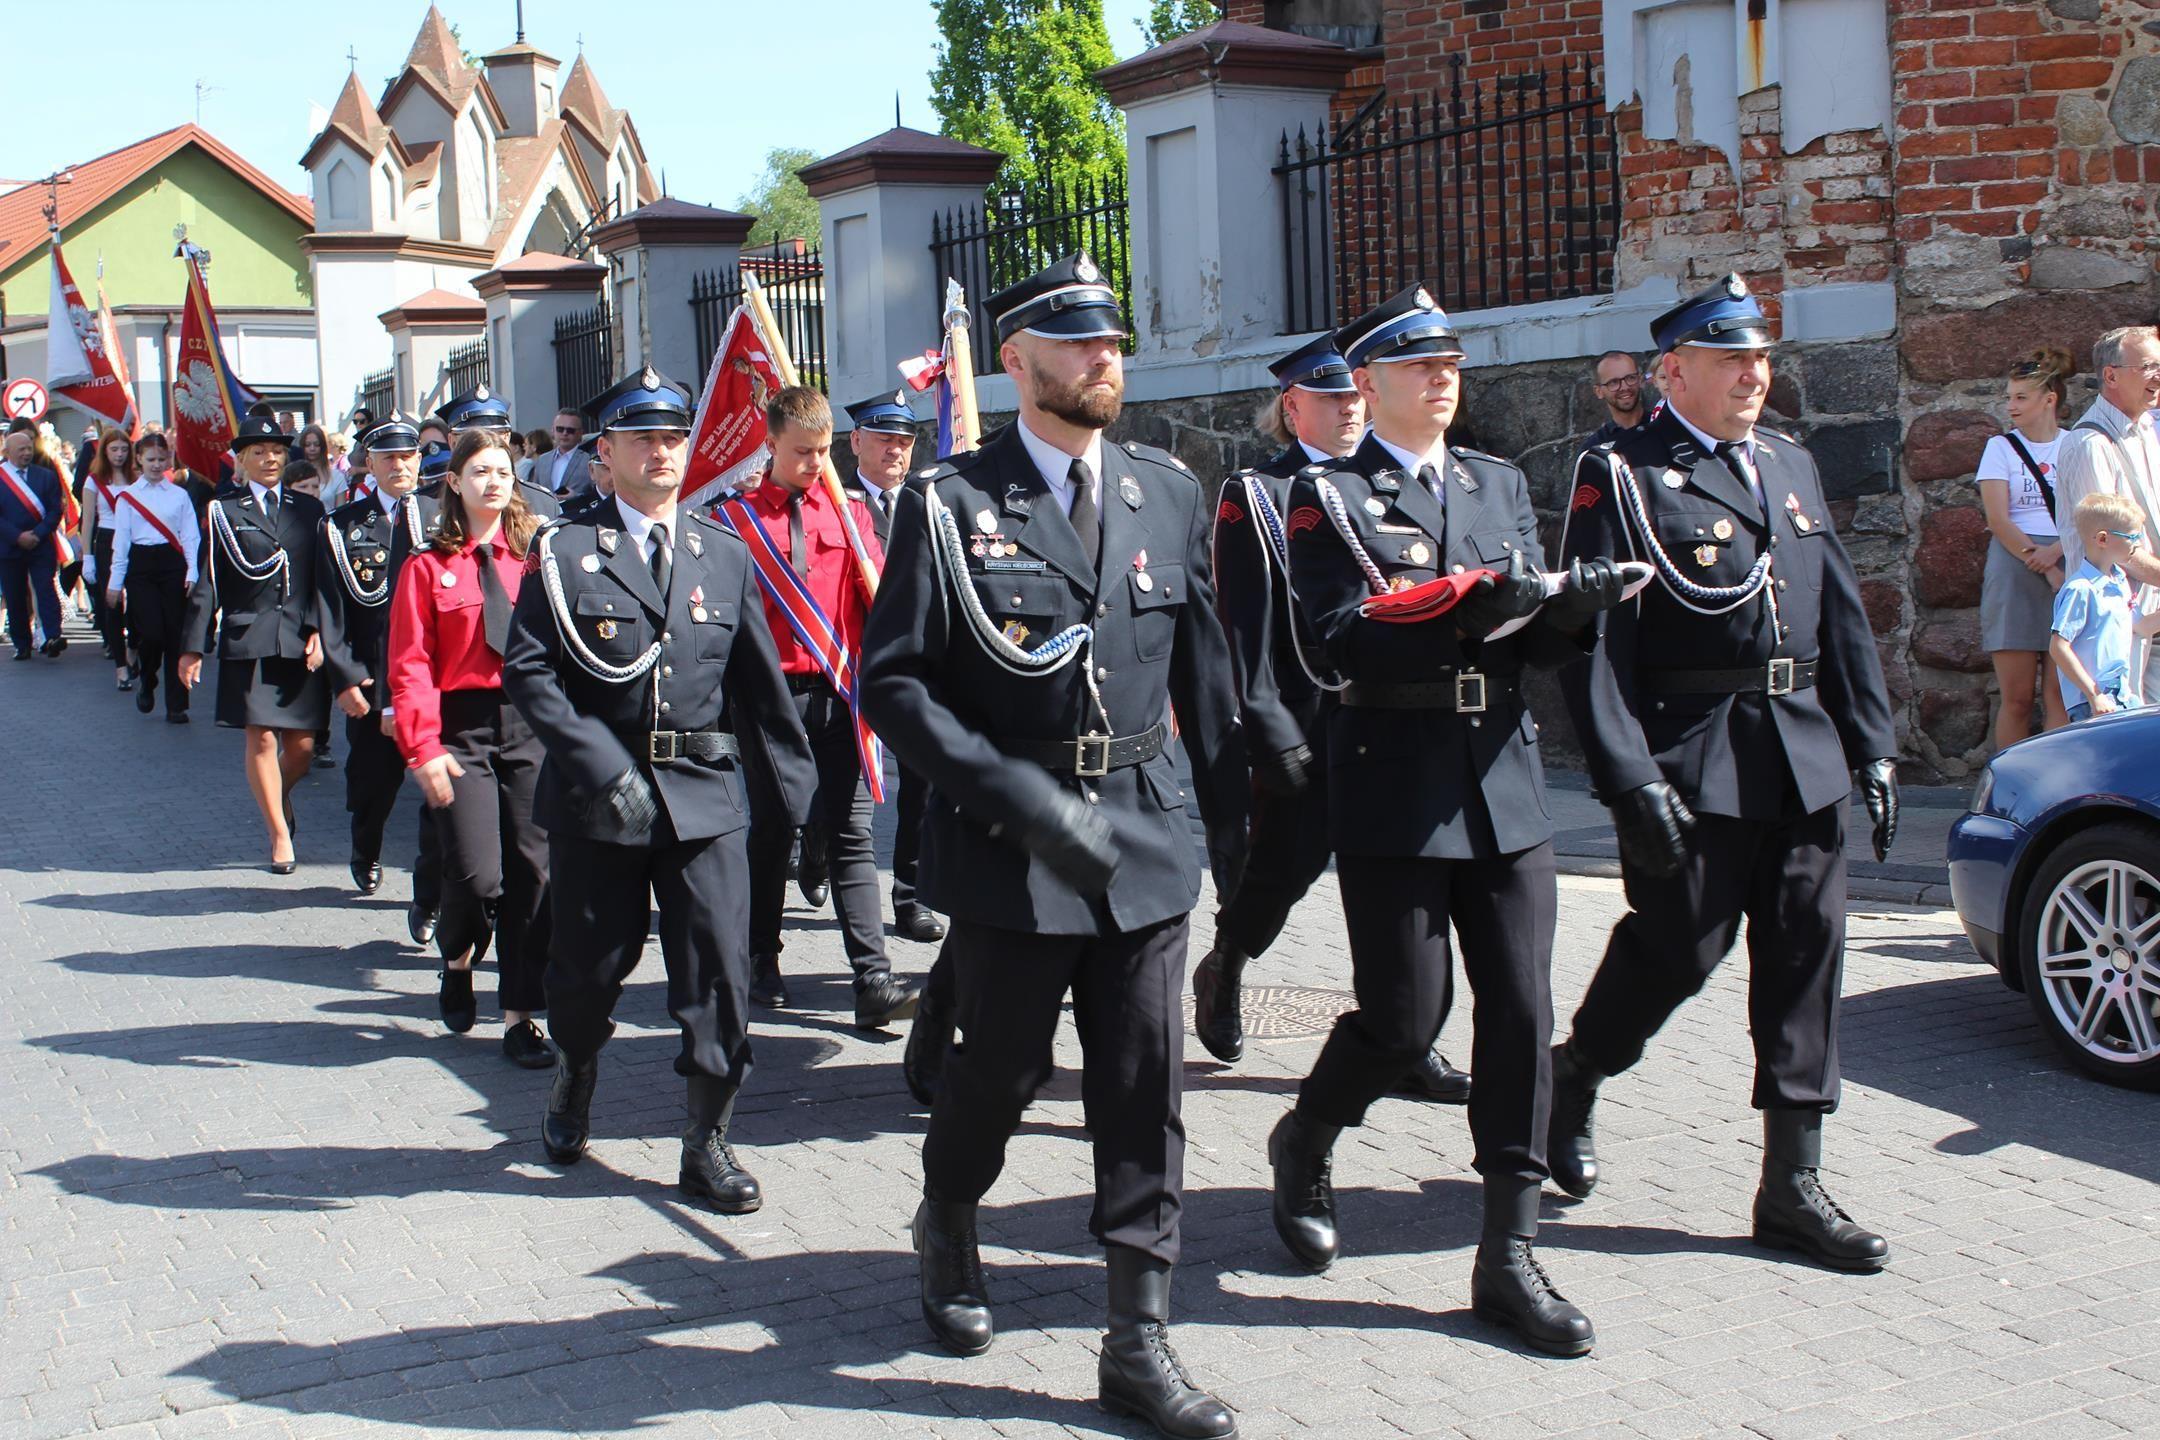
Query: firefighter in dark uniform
(1723, 718)
(1319, 416)
(1046, 603)
(1436, 795)
(640, 656)
(352, 593)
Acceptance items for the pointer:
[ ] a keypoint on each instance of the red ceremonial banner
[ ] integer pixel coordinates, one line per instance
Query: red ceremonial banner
(76, 361)
(727, 439)
(205, 418)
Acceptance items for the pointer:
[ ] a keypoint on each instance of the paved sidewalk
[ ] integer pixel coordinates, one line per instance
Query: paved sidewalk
(248, 1187)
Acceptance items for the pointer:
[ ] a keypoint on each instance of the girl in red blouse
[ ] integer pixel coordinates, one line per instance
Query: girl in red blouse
(475, 758)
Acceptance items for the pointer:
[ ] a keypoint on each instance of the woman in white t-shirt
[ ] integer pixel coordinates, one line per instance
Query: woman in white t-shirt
(2024, 559)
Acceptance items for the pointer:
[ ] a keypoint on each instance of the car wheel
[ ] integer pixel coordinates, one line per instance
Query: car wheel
(2091, 952)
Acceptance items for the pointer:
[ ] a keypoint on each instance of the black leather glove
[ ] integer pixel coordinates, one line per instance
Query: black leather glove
(1593, 586)
(1285, 773)
(1652, 821)
(1074, 841)
(1878, 787)
(630, 802)
(1227, 847)
(1510, 596)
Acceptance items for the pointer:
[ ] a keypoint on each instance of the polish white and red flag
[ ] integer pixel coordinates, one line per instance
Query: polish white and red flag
(77, 363)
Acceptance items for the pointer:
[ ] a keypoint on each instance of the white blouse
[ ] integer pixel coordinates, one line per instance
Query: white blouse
(169, 501)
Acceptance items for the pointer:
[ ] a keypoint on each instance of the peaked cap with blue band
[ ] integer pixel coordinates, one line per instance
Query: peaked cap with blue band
(647, 400)
(434, 460)
(1722, 317)
(1316, 365)
(1408, 326)
(1070, 300)
(395, 435)
(477, 409)
(885, 415)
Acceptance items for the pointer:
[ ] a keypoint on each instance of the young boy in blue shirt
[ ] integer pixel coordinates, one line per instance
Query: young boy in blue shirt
(2096, 627)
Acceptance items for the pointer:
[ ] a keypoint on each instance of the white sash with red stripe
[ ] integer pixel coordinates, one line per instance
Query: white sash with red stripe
(156, 524)
(838, 655)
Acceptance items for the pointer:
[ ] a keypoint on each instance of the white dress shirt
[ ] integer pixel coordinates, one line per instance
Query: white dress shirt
(638, 526)
(1055, 465)
(166, 499)
(1710, 443)
(879, 501)
(1413, 463)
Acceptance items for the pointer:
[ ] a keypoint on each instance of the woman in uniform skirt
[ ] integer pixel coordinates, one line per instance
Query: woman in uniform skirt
(156, 545)
(258, 575)
(476, 759)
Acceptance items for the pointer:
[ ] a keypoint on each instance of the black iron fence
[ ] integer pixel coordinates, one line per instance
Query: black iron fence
(1012, 234)
(584, 356)
(793, 274)
(467, 368)
(378, 392)
(1500, 194)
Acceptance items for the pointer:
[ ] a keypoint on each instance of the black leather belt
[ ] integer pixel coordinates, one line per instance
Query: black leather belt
(1779, 677)
(665, 747)
(1090, 755)
(808, 683)
(1467, 692)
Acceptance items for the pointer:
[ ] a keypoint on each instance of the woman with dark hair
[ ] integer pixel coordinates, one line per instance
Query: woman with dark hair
(112, 469)
(472, 753)
(2024, 560)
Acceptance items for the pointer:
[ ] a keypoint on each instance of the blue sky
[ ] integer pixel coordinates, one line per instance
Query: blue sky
(712, 85)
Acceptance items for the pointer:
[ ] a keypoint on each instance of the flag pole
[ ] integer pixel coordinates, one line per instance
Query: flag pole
(784, 363)
(960, 365)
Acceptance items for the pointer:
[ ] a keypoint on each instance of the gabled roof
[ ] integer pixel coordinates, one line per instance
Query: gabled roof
(437, 65)
(582, 100)
(22, 227)
(356, 120)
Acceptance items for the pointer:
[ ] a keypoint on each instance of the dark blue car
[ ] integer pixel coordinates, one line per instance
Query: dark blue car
(2055, 870)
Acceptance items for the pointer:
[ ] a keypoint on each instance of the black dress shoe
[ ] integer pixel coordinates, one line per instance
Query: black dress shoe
(955, 1301)
(1569, 1150)
(146, 699)
(1434, 1079)
(1139, 1374)
(125, 682)
(176, 717)
(883, 998)
(568, 1123)
(283, 867)
(813, 868)
(525, 1047)
(455, 999)
(922, 1064)
(1792, 1209)
(420, 923)
(1300, 1150)
(710, 1171)
(367, 875)
(1508, 1287)
(919, 925)
(1219, 1002)
(20, 654)
(766, 986)
(54, 647)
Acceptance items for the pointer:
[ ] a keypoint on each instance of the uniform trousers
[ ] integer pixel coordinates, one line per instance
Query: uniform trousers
(493, 855)
(111, 624)
(1787, 877)
(427, 864)
(841, 807)
(1289, 851)
(1126, 991)
(374, 774)
(603, 896)
(1398, 910)
(156, 613)
(907, 839)
(24, 578)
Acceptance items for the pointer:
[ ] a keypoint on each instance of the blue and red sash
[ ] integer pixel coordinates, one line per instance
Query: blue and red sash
(838, 654)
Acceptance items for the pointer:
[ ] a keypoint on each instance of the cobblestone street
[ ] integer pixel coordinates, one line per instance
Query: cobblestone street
(251, 1188)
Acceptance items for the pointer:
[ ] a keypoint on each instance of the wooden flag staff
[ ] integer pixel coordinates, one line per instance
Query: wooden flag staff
(960, 368)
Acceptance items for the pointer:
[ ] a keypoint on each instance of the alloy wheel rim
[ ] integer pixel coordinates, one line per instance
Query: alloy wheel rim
(2099, 967)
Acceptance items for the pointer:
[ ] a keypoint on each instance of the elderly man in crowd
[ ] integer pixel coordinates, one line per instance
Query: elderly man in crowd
(2115, 447)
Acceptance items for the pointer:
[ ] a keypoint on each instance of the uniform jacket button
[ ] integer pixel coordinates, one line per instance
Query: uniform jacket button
(1093, 798)
(1102, 610)
(666, 670)
(667, 637)
(663, 707)
(1102, 672)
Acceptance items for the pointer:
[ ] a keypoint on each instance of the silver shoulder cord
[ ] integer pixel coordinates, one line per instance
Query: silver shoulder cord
(237, 558)
(1275, 554)
(414, 530)
(1331, 501)
(360, 592)
(593, 665)
(950, 554)
(1702, 599)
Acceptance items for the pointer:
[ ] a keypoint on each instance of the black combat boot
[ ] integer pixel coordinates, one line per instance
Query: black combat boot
(922, 1064)
(1299, 1150)
(1569, 1150)
(569, 1112)
(1139, 1374)
(1433, 1079)
(955, 1301)
(1219, 1001)
(709, 1168)
(1794, 1212)
(1507, 1285)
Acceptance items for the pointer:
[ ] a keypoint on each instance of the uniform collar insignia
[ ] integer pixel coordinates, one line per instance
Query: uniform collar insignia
(1387, 480)
(608, 539)
(1462, 474)
(1018, 500)
(1128, 490)
(690, 538)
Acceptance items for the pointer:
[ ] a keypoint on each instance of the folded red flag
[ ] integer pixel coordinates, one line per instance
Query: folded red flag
(1425, 601)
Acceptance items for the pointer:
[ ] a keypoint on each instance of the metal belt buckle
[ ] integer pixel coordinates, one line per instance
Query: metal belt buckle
(1781, 677)
(1101, 765)
(1469, 693)
(664, 747)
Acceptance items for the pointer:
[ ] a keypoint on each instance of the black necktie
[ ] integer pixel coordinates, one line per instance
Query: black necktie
(1086, 514)
(1430, 479)
(1732, 453)
(494, 601)
(798, 548)
(269, 507)
(663, 562)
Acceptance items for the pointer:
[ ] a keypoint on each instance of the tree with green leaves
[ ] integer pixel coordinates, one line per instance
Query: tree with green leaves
(1018, 76)
(780, 200)
(1168, 19)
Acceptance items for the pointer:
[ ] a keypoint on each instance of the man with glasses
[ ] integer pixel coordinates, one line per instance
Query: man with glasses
(562, 470)
(2114, 448)
(1618, 383)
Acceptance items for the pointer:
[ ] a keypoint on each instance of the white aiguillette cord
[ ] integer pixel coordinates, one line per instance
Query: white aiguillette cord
(1275, 554)
(593, 665)
(255, 570)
